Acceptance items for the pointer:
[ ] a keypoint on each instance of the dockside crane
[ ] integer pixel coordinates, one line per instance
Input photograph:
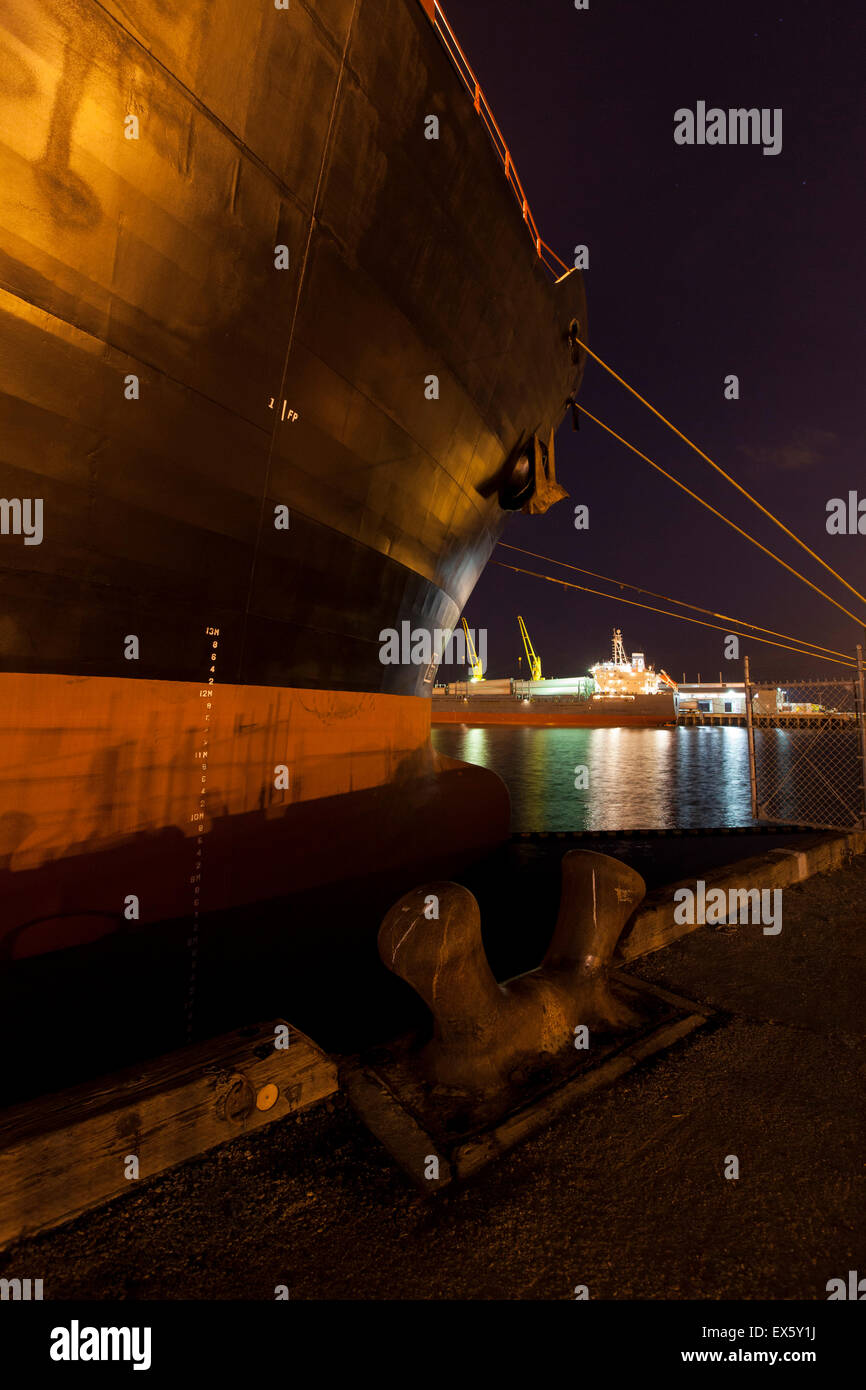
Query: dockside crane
(533, 660)
(668, 680)
(474, 662)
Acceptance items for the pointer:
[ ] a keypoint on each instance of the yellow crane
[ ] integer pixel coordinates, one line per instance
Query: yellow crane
(533, 660)
(475, 665)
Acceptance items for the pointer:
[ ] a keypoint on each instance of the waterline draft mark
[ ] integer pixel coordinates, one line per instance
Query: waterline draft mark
(197, 817)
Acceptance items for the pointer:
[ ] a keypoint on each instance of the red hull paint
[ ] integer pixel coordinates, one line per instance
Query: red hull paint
(113, 781)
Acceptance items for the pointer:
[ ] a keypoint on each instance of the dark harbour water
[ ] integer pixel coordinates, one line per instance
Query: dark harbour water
(682, 777)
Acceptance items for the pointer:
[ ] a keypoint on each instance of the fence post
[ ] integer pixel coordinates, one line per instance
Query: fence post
(750, 729)
(861, 719)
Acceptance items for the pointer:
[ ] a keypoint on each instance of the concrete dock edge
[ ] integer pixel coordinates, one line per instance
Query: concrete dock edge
(653, 926)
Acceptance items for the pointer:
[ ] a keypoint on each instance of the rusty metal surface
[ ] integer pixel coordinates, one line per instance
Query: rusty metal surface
(488, 1039)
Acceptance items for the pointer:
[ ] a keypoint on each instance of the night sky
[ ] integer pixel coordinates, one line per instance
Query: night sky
(704, 261)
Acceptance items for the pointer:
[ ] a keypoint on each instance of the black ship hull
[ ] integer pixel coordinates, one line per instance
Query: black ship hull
(243, 464)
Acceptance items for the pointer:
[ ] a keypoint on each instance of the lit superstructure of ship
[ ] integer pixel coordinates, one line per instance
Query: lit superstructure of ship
(624, 679)
(616, 694)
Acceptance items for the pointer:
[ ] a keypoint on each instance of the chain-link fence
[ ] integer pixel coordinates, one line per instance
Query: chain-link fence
(807, 750)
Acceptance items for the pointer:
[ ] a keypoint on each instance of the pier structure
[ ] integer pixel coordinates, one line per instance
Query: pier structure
(815, 719)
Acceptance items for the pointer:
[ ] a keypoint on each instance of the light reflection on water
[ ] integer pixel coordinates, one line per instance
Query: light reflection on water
(688, 777)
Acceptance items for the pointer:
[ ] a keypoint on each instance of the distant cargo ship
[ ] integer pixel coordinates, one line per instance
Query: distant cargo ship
(617, 693)
(620, 678)
(278, 365)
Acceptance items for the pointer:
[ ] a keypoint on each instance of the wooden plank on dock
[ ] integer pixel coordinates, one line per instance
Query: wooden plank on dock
(62, 1154)
(394, 1126)
(469, 1157)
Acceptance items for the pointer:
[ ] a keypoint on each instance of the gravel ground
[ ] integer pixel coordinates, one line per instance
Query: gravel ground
(626, 1194)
